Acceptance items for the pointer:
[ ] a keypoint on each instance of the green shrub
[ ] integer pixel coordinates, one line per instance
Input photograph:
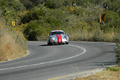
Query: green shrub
(112, 19)
(115, 6)
(73, 16)
(15, 4)
(3, 3)
(54, 22)
(117, 50)
(9, 9)
(27, 3)
(33, 15)
(36, 2)
(33, 30)
(51, 4)
(66, 3)
(97, 35)
(112, 69)
(55, 17)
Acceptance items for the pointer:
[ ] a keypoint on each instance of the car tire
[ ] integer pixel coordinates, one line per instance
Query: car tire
(67, 42)
(49, 43)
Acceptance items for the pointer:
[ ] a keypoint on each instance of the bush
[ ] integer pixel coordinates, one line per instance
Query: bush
(9, 9)
(112, 19)
(12, 43)
(32, 15)
(117, 50)
(15, 4)
(112, 69)
(36, 2)
(55, 17)
(115, 6)
(70, 15)
(97, 35)
(53, 21)
(51, 4)
(28, 4)
(33, 30)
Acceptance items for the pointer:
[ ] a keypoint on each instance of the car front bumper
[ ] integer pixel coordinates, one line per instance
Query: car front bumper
(64, 41)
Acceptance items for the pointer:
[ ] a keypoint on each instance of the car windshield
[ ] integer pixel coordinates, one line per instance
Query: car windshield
(54, 33)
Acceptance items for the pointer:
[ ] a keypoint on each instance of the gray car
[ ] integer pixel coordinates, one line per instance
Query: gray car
(57, 37)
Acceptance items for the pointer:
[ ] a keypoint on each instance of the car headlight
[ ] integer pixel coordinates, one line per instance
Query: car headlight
(53, 38)
(66, 37)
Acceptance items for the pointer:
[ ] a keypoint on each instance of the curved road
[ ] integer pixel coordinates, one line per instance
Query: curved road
(58, 61)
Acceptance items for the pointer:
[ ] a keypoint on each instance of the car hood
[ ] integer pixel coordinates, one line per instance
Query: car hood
(58, 35)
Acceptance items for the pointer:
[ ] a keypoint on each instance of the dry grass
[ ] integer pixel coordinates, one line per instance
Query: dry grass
(81, 36)
(104, 75)
(93, 35)
(12, 45)
(9, 49)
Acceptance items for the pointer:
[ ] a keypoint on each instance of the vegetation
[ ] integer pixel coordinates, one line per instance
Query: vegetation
(108, 74)
(112, 69)
(12, 43)
(79, 18)
(117, 50)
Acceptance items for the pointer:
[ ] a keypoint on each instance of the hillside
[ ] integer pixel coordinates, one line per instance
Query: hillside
(12, 42)
(78, 18)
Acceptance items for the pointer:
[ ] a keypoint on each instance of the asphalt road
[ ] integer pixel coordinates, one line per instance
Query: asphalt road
(58, 62)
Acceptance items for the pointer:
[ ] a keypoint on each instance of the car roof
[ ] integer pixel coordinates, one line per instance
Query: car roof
(57, 31)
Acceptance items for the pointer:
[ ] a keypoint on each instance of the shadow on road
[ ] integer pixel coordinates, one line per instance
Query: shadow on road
(48, 45)
(103, 63)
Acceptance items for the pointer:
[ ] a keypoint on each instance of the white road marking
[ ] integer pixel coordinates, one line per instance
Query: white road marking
(84, 51)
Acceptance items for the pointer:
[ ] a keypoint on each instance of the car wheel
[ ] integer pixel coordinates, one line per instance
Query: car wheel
(67, 42)
(49, 43)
